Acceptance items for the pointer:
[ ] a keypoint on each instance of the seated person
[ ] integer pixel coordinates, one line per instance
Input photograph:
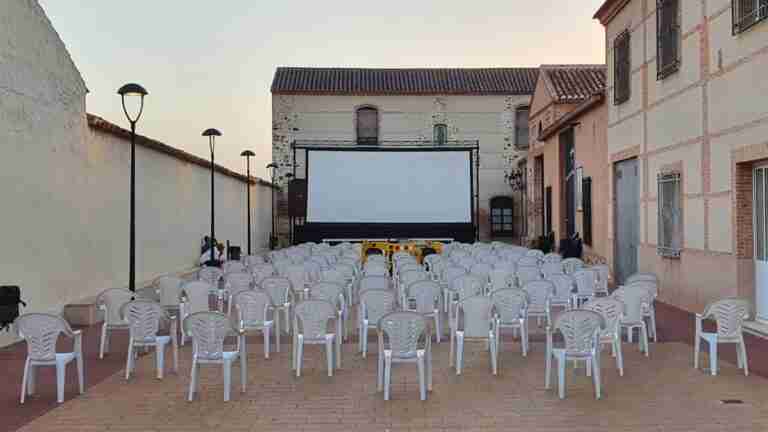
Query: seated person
(216, 259)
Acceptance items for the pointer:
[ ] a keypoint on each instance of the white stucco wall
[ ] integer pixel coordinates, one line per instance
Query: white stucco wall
(489, 119)
(64, 185)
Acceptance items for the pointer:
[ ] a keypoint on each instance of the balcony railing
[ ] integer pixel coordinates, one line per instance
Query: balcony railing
(385, 144)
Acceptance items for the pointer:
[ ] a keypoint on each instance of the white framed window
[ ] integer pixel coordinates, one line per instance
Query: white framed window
(670, 227)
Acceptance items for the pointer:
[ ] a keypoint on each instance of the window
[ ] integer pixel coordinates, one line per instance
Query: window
(367, 126)
(547, 210)
(501, 216)
(667, 38)
(586, 205)
(669, 217)
(440, 134)
(621, 68)
(747, 13)
(521, 127)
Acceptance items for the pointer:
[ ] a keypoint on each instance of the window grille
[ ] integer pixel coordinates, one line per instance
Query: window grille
(586, 195)
(667, 38)
(669, 215)
(521, 127)
(621, 68)
(747, 13)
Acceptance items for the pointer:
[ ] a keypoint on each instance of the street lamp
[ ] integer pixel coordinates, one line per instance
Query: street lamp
(273, 235)
(133, 92)
(212, 134)
(247, 154)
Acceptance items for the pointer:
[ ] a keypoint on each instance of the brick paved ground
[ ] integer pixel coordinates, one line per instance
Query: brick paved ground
(660, 393)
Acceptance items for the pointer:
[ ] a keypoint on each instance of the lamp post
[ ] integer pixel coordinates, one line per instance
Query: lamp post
(132, 91)
(247, 154)
(212, 134)
(273, 234)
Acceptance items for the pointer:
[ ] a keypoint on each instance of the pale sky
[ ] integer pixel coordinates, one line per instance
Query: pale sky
(210, 63)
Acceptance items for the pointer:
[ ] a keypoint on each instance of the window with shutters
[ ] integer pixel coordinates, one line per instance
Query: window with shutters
(667, 38)
(621, 68)
(501, 216)
(440, 134)
(747, 13)
(367, 125)
(586, 205)
(521, 127)
(669, 215)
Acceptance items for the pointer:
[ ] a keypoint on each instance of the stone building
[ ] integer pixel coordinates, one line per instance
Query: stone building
(568, 160)
(427, 105)
(687, 127)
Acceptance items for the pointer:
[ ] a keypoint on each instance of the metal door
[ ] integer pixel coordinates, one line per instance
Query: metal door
(760, 231)
(626, 218)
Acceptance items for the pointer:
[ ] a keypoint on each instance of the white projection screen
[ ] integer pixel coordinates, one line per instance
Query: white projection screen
(389, 187)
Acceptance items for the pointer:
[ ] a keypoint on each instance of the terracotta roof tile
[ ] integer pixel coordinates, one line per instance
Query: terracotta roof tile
(349, 81)
(573, 83)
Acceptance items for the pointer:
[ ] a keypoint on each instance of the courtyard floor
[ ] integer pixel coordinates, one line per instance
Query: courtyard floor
(659, 393)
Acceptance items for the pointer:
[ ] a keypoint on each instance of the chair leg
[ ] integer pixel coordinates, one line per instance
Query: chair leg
(32, 379)
(422, 378)
(619, 356)
(103, 342)
(459, 352)
(299, 355)
(438, 329)
(24, 378)
(494, 355)
(429, 370)
(277, 331)
(712, 356)
(243, 365)
(160, 359)
(364, 339)
(743, 349)
(596, 375)
(548, 370)
(266, 342)
(387, 375)
(561, 375)
(61, 369)
(696, 349)
(653, 325)
(630, 336)
(644, 334)
(192, 380)
(524, 336)
(129, 360)
(329, 353)
(452, 337)
(227, 366)
(380, 372)
(587, 366)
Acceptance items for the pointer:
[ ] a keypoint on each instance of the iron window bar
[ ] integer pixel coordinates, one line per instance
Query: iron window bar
(669, 213)
(747, 13)
(621, 64)
(667, 38)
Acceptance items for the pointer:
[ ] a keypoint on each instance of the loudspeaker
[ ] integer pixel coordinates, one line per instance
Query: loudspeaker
(297, 198)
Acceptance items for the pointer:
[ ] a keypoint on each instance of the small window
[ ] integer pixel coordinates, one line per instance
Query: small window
(747, 13)
(521, 127)
(547, 210)
(586, 196)
(667, 38)
(669, 215)
(621, 68)
(440, 134)
(367, 126)
(501, 216)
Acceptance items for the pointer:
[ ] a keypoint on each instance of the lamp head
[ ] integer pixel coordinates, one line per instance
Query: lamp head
(272, 165)
(211, 132)
(247, 153)
(288, 175)
(133, 90)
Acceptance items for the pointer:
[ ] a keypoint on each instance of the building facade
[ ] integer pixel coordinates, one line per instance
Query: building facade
(428, 105)
(568, 159)
(687, 127)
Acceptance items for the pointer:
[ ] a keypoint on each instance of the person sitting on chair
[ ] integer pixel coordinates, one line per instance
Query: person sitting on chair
(215, 260)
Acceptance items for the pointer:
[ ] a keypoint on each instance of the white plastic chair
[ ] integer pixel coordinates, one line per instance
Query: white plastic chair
(261, 271)
(499, 279)
(373, 268)
(310, 326)
(525, 274)
(426, 296)
(299, 278)
(334, 293)
(603, 276)
(335, 275)
(564, 287)
(406, 279)
(540, 300)
(374, 282)
(169, 289)
(635, 299)
(213, 276)
(450, 273)
(581, 335)
(571, 265)
(612, 311)
(253, 313)
(235, 283)
(462, 288)
(110, 301)
(233, 267)
(586, 286)
(475, 322)
(549, 268)
(374, 304)
(208, 331)
(195, 298)
(279, 290)
(404, 338)
(642, 276)
(729, 314)
(511, 307)
(481, 270)
(41, 331)
(144, 318)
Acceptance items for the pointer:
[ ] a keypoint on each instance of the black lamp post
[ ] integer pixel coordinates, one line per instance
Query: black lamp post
(273, 234)
(212, 134)
(133, 91)
(247, 154)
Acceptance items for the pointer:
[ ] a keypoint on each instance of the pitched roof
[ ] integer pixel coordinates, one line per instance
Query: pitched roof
(573, 83)
(608, 10)
(353, 81)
